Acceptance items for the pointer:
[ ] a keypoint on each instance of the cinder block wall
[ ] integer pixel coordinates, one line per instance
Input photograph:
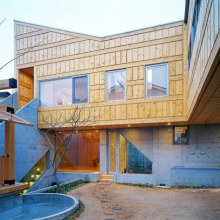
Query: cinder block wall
(28, 151)
(157, 144)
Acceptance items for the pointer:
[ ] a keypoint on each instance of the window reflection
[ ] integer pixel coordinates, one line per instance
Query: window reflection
(132, 160)
(157, 80)
(82, 154)
(80, 89)
(116, 85)
(181, 135)
(64, 91)
(56, 92)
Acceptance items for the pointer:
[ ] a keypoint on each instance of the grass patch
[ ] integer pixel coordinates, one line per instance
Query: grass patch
(78, 212)
(191, 187)
(63, 189)
(139, 185)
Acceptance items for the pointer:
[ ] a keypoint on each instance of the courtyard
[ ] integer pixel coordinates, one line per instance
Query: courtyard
(109, 201)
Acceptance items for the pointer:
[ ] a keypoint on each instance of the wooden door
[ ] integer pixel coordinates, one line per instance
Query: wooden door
(25, 89)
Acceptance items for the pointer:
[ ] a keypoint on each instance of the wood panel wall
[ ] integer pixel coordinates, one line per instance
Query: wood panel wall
(205, 48)
(57, 53)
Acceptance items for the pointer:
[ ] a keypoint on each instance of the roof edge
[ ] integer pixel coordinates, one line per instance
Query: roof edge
(101, 37)
(186, 11)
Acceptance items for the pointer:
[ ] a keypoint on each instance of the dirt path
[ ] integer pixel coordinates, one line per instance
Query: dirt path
(115, 201)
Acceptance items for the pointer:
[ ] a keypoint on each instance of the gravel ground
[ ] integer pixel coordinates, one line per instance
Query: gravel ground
(105, 201)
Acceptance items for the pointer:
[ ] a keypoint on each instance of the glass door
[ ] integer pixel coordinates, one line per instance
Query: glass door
(112, 148)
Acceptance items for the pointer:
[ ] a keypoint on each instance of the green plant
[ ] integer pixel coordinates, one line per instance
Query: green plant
(190, 187)
(139, 185)
(63, 189)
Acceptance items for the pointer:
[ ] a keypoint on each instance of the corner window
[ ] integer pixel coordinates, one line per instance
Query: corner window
(116, 85)
(80, 89)
(157, 80)
(181, 135)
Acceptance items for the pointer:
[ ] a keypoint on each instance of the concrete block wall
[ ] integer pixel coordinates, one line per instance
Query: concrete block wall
(28, 151)
(11, 101)
(68, 176)
(28, 148)
(103, 152)
(157, 144)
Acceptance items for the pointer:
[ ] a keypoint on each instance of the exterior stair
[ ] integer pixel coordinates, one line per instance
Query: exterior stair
(106, 178)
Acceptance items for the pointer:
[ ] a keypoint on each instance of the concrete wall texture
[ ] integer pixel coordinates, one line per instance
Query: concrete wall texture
(203, 151)
(28, 151)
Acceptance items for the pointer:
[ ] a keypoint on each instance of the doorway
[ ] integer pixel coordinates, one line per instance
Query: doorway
(112, 151)
(25, 86)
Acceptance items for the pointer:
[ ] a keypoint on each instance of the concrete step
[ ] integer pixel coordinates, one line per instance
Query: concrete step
(108, 177)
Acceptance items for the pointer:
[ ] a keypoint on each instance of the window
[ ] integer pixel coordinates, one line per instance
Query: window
(181, 135)
(131, 159)
(157, 80)
(124, 157)
(56, 92)
(82, 154)
(66, 91)
(116, 85)
(80, 89)
(194, 28)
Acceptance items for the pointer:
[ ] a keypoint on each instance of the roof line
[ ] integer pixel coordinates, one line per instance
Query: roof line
(186, 11)
(101, 37)
(59, 29)
(145, 28)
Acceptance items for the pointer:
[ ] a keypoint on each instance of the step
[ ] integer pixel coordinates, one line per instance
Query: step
(108, 177)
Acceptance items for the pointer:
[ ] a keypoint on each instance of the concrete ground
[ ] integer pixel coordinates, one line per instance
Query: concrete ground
(114, 201)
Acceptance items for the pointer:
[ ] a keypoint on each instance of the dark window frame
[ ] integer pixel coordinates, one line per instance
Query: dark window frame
(73, 89)
(187, 135)
(195, 20)
(72, 92)
(167, 82)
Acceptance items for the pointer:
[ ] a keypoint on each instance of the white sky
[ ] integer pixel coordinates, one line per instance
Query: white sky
(95, 17)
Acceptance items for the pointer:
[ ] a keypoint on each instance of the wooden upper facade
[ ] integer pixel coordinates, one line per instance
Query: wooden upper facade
(204, 69)
(57, 54)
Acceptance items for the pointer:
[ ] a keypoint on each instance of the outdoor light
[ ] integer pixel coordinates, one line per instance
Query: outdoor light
(169, 123)
(38, 169)
(32, 176)
(129, 125)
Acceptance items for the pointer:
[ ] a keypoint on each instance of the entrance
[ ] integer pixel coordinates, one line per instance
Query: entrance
(25, 86)
(112, 147)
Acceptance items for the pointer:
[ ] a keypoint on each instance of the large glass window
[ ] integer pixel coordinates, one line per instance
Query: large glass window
(80, 89)
(64, 91)
(56, 92)
(132, 160)
(116, 85)
(82, 154)
(181, 135)
(157, 80)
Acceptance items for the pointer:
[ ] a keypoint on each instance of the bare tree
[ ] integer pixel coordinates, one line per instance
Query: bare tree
(59, 139)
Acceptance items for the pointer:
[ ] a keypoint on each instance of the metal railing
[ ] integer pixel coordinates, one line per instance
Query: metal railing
(2, 170)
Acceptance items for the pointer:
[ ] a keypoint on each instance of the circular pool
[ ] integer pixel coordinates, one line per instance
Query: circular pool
(40, 206)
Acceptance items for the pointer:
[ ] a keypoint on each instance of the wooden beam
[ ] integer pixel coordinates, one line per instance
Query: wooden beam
(9, 153)
(8, 83)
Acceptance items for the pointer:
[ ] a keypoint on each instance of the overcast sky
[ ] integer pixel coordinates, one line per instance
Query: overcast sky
(95, 17)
